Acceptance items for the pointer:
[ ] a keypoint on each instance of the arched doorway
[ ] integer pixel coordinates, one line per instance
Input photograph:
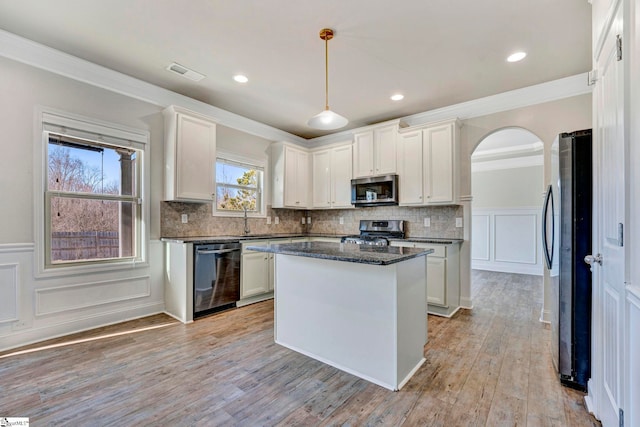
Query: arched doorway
(507, 184)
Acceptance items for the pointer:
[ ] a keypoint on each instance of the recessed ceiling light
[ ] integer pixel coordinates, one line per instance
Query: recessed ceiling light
(397, 97)
(240, 78)
(515, 57)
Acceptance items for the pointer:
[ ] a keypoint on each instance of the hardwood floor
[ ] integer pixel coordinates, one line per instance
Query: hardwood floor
(486, 367)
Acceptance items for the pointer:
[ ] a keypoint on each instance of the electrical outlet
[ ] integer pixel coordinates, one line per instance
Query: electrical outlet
(308, 220)
(268, 220)
(458, 222)
(185, 218)
(427, 222)
(341, 220)
(302, 220)
(276, 220)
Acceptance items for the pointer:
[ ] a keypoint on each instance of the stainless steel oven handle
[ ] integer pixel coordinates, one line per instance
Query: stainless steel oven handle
(220, 251)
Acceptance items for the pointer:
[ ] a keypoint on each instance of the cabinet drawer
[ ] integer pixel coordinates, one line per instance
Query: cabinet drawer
(262, 242)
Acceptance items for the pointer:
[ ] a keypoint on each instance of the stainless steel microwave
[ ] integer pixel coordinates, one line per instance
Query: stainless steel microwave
(374, 191)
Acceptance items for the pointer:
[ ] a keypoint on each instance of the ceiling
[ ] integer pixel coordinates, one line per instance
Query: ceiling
(436, 52)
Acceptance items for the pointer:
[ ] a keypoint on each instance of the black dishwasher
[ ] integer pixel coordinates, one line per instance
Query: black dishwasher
(216, 281)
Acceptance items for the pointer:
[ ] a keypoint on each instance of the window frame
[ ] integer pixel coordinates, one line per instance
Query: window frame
(78, 127)
(249, 163)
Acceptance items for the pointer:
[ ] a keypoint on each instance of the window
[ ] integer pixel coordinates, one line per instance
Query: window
(93, 204)
(239, 186)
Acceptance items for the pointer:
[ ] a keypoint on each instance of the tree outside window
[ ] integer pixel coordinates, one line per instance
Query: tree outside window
(238, 187)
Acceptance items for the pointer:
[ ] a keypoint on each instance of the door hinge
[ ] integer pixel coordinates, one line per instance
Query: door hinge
(619, 47)
(621, 417)
(592, 77)
(620, 234)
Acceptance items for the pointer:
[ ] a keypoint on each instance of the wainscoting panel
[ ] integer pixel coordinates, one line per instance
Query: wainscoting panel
(515, 238)
(73, 297)
(632, 415)
(481, 237)
(507, 240)
(8, 292)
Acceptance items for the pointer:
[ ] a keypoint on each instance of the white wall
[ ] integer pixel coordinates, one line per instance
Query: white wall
(508, 188)
(46, 307)
(506, 217)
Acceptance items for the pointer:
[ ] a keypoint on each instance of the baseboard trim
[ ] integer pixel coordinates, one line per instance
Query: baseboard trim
(47, 332)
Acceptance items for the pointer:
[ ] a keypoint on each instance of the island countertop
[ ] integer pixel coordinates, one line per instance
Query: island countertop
(362, 254)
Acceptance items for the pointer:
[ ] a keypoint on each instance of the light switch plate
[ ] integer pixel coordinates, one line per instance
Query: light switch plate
(184, 218)
(308, 220)
(268, 220)
(427, 222)
(302, 220)
(341, 220)
(458, 222)
(276, 220)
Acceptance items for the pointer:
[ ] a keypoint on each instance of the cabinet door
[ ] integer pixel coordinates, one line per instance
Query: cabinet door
(296, 181)
(363, 154)
(195, 159)
(302, 180)
(321, 171)
(255, 274)
(438, 160)
(410, 168)
(385, 150)
(436, 280)
(341, 166)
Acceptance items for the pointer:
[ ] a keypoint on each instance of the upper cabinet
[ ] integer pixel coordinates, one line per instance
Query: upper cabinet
(331, 170)
(374, 151)
(290, 176)
(190, 156)
(427, 163)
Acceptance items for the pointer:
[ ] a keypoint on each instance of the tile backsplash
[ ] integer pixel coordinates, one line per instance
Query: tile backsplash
(203, 223)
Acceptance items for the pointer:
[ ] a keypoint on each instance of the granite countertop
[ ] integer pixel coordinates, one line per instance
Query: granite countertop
(435, 240)
(228, 239)
(362, 254)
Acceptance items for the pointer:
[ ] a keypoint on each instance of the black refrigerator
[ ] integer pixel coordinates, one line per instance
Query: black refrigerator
(566, 240)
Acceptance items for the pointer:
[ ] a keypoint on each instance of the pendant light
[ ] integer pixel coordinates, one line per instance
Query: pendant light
(327, 119)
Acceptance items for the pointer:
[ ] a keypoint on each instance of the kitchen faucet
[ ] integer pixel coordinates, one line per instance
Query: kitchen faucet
(246, 224)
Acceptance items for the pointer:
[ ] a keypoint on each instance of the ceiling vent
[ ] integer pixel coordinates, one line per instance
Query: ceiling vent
(185, 72)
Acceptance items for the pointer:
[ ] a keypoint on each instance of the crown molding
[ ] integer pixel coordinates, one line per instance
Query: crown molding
(40, 56)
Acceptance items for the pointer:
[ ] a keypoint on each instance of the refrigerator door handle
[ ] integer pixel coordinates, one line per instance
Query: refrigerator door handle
(548, 251)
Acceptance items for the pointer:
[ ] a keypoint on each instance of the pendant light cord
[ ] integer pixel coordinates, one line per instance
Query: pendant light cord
(326, 73)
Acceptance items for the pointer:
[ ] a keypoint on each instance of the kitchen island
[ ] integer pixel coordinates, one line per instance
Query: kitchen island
(361, 309)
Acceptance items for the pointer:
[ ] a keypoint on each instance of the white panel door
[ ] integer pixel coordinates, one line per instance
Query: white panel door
(363, 154)
(411, 168)
(438, 161)
(341, 166)
(385, 150)
(609, 190)
(195, 158)
(321, 179)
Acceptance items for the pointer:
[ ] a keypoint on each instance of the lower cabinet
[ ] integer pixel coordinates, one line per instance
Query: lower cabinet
(443, 276)
(257, 271)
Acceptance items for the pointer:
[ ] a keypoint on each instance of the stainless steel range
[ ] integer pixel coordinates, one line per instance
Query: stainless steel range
(377, 232)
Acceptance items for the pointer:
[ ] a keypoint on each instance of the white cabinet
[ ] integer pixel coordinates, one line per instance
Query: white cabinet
(255, 267)
(290, 181)
(257, 270)
(331, 169)
(374, 151)
(428, 164)
(190, 156)
(443, 276)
